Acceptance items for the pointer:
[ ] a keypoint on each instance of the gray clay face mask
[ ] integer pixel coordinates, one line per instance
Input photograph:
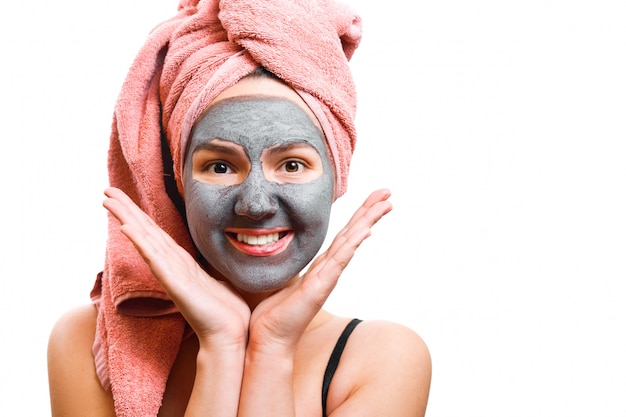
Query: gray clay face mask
(258, 190)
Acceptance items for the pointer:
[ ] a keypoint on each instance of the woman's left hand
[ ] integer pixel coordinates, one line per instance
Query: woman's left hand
(278, 321)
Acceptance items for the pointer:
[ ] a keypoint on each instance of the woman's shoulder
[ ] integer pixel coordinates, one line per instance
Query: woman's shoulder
(390, 345)
(74, 385)
(388, 335)
(75, 322)
(382, 340)
(392, 366)
(73, 333)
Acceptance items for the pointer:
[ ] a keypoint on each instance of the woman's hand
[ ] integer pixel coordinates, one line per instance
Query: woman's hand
(279, 321)
(215, 311)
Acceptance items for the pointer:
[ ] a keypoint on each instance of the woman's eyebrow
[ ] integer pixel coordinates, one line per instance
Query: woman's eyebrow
(274, 150)
(217, 147)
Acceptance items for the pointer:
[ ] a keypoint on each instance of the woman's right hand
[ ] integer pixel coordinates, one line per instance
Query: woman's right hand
(215, 311)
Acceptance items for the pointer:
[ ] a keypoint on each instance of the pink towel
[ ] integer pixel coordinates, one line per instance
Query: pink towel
(185, 63)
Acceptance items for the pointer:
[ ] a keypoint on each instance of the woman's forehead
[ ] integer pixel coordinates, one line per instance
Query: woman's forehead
(264, 120)
(269, 87)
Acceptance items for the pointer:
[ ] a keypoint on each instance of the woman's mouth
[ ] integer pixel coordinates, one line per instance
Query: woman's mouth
(259, 243)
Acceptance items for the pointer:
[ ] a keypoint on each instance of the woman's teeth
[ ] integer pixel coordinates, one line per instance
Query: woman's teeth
(258, 240)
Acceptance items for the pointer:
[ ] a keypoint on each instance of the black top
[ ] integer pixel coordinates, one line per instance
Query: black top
(333, 362)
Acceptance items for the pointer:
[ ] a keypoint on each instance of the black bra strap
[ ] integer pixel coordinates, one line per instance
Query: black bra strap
(333, 362)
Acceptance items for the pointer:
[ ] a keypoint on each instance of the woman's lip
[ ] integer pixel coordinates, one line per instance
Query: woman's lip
(269, 249)
(256, 232)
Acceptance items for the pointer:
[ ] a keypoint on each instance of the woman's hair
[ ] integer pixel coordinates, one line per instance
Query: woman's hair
(262, 72)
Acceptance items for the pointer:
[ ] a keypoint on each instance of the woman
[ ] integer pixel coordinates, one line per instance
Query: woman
(211, 314)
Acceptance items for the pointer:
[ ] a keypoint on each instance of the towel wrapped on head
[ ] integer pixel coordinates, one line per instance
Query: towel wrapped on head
(185, 63)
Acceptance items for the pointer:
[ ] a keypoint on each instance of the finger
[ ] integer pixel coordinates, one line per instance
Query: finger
(328, 267)
(372, 200)
(140, 228)
(156, 247)
(372, 210)
(359, 226)
(122, 207)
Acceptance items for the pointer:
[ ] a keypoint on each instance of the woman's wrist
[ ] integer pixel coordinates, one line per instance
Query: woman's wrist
(217, 385)
(212, 353)
(268, 382)
(278, 358)
(227, 361)
(223, 343)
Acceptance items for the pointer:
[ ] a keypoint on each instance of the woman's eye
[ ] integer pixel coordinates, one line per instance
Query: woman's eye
(293, 166)
(218, 168)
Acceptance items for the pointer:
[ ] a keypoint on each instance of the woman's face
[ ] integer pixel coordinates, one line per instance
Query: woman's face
(258, 185)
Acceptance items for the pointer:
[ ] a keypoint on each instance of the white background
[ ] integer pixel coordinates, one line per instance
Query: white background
(498, 125)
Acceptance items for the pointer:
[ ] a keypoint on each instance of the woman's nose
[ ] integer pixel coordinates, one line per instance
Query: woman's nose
(256, 200)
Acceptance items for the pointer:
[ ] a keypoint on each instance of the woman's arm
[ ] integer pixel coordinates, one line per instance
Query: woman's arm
(217, 384)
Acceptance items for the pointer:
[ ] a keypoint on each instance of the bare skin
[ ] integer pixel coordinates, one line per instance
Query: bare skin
(253, 354)
(385, 369)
